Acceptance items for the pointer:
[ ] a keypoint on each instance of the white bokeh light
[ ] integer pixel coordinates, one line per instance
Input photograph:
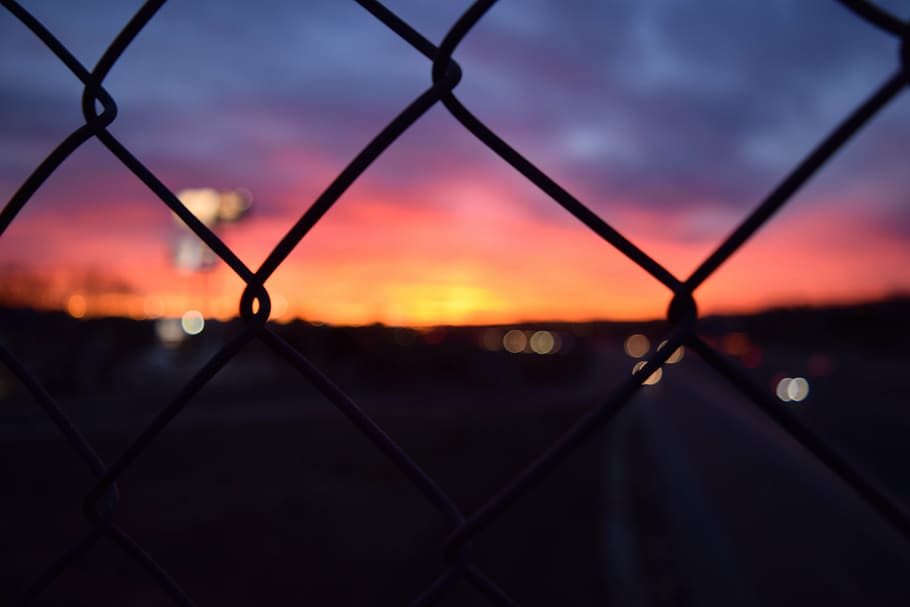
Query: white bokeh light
(798, 389)
(192, 322)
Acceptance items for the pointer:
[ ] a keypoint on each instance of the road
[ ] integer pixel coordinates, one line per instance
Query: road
(708, 503)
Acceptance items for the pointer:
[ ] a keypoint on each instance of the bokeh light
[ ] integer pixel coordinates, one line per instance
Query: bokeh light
(792, 389)
(169, 331)
(542, 342)
(736, 344)
(677, 355)
(76, 306)
(781, 389)
(192, 322)
(798, 389)
(653, 379)
(515, 341)
(637, 345)
(491, 340)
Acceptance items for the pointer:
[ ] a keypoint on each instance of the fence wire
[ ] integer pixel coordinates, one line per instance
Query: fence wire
(101, 502)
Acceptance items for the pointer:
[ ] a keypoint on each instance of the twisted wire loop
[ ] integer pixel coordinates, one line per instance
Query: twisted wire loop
(100, 502)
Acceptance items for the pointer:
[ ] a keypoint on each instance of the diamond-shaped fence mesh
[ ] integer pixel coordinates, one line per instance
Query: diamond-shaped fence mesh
(100, 506)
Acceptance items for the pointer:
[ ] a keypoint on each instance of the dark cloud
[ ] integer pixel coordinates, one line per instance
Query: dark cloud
(662, 102)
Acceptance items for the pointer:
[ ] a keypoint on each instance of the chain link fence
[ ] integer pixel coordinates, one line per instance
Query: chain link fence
(100, 505)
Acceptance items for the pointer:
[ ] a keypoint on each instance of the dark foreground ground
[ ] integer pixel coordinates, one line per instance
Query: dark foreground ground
(260, 492)
(307, 512)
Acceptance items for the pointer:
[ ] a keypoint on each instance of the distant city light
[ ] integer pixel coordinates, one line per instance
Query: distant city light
(515, 341)
(192, 322)
(781, 389)
(212, 208)
(491, 340)
(653, 379)
(792, 389)
(203, 203)
(169, 331)
(76, 306)
(736, 344)
(677, 354)
(542, 342)
(798, 389)
(637, 345)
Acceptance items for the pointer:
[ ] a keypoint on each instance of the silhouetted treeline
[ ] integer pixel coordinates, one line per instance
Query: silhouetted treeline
(115, 355)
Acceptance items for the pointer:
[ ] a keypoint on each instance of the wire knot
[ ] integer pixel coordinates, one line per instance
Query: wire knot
(255, 304)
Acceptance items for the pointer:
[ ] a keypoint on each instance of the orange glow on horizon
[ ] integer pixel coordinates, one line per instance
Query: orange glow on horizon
(477, 257)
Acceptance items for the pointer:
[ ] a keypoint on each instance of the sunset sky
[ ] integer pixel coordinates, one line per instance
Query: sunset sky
(671, 119)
